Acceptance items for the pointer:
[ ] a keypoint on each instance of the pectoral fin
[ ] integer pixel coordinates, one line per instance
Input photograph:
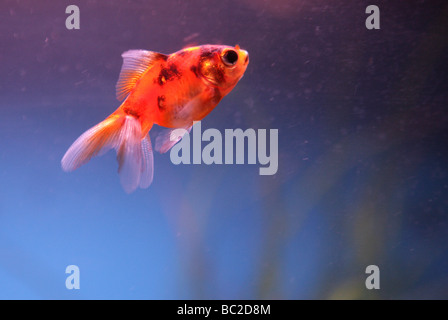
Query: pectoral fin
(169, 137)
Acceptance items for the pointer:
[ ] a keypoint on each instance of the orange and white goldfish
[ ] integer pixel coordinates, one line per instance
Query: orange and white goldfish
(171, 91)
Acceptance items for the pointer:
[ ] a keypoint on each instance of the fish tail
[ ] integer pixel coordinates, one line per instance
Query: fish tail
(124, 134)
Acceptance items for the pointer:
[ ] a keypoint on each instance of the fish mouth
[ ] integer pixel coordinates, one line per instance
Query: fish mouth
(245, 56)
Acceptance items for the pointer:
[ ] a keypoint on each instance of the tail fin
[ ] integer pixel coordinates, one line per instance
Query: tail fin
(124, 134)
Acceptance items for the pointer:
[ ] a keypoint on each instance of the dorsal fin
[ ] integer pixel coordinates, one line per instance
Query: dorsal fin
(135, 64)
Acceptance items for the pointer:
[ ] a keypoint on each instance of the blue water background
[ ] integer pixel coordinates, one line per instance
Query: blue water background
(362, 175)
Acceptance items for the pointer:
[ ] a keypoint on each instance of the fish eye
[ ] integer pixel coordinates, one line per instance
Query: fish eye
(230, 57)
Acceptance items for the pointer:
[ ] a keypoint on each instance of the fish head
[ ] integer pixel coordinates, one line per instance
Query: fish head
(223, 66)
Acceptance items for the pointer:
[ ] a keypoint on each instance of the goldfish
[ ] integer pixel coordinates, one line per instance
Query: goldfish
(172, 91)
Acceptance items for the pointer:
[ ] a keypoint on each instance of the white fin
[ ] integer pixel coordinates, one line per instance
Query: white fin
(147, 170)
(168, 138)
(135, 64)
(134, 154)
(95, 141)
